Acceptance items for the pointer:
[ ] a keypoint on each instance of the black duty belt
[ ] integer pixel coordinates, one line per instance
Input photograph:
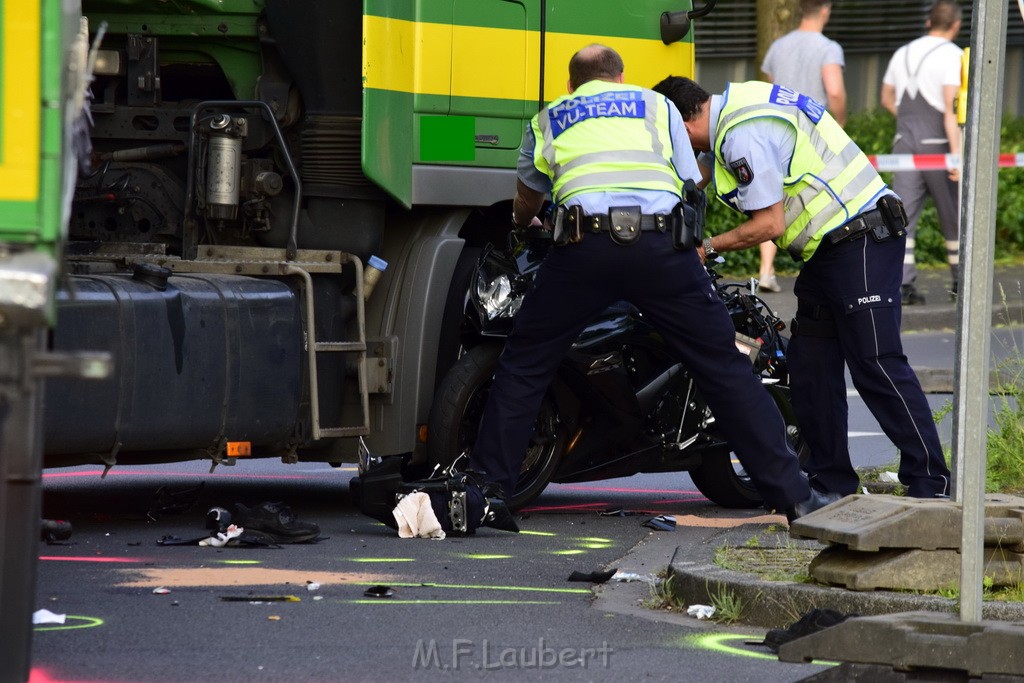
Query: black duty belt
(869, 221)
(602, 223)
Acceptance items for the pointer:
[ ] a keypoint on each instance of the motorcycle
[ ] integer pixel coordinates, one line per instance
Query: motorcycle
(620, 404)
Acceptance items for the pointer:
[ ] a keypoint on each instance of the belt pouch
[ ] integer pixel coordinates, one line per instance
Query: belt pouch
(893, 215)
(684, 227)
(574, 229)
(624, 224)
(560, 234)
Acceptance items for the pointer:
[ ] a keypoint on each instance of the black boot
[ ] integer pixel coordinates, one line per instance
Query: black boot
(815, 501)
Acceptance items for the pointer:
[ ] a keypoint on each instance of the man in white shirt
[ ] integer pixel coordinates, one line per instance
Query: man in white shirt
(919, 88)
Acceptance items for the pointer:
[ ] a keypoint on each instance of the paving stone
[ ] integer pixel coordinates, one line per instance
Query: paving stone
(919, 642)
(873, 522)
(925, 570)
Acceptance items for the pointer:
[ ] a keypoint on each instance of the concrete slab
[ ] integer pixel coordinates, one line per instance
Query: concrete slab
(925, 570)
(917, 641)
(873, 522)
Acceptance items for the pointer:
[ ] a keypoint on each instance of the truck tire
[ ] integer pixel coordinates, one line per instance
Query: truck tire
(455, 419)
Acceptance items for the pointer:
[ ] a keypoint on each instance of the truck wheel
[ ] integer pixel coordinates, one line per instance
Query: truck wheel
(455, 420)
(720, 476)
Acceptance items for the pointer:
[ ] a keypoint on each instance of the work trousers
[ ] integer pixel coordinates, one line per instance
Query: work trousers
(921, 130)
(849, 299)
(675, 294)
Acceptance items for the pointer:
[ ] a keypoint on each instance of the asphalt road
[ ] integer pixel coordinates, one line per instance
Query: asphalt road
(495, 605)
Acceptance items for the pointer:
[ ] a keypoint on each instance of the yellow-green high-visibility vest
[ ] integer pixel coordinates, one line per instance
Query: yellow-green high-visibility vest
(605, 137)
(830, 179)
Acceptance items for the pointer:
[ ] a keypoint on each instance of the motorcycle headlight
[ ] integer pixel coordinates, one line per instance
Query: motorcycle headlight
(495, 295)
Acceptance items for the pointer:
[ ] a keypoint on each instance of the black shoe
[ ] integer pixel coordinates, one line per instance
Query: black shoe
(909, 296)
(815, 501)
(275, 520)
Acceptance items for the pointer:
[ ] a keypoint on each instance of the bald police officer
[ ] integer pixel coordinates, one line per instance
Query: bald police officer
(606, 149)
(780, 159)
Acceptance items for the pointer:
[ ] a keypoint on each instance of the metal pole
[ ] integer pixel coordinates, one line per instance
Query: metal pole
(977, 246)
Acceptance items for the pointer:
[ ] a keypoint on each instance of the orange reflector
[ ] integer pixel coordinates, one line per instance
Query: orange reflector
(239, 449)
(421, 433)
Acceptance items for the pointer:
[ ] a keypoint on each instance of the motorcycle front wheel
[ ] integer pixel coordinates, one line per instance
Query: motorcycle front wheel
(721, 478)
(455, 421)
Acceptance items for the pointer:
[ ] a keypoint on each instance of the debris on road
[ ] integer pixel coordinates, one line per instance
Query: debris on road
(379, 592)
(661, 523)
(701, 611)
(593, 577)
(45, 616)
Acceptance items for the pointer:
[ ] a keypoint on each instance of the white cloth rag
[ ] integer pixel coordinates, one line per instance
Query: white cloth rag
(220, 539)
(416, 518)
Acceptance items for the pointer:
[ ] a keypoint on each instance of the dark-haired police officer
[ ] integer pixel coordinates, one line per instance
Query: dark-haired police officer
(614, 158)
(780, 159)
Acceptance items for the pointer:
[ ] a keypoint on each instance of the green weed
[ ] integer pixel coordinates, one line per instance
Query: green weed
(728, 606)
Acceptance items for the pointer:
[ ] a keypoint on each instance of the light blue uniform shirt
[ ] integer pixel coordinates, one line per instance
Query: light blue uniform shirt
(649, 201)
(767, 146)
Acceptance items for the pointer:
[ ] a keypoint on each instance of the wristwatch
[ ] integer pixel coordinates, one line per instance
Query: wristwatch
(709, 251)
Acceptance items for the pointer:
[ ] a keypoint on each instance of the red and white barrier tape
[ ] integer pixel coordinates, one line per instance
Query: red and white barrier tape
(933, 162)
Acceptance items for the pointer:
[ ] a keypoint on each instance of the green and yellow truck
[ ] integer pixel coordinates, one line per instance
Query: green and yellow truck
(44, 47)
(207, 198)
(255, 163)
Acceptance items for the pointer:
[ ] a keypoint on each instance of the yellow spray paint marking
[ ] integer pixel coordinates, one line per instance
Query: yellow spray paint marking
(238, 562)
(381, 559)
(180, 577)
(537, 589)
(482, 556)
(595, 539)
(719, 642)
(595, 546)
(523, 532)
(449, 602)
(568, 552)
(88, 622)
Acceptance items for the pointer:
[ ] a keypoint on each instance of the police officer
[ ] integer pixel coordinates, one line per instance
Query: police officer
(779, 158)
(612, 154)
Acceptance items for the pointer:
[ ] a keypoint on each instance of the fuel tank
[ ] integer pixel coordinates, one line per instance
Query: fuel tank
(198, 359)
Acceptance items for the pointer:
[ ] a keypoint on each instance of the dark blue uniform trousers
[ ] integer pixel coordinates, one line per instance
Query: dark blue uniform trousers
(856, 284)
(674, 293)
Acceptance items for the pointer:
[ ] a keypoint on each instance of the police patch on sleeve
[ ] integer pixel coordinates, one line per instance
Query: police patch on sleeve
(741, 169)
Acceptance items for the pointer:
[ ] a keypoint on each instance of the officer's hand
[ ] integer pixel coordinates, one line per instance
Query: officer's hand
(954, 174)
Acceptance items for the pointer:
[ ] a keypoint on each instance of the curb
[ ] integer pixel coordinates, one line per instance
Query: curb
(940, 380)
(777, 604)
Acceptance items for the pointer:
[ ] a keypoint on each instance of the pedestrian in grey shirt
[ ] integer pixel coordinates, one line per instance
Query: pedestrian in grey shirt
(809, 63)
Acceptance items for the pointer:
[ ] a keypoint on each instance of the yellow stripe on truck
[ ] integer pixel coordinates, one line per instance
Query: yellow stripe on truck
(416, 57)
(20, 101)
